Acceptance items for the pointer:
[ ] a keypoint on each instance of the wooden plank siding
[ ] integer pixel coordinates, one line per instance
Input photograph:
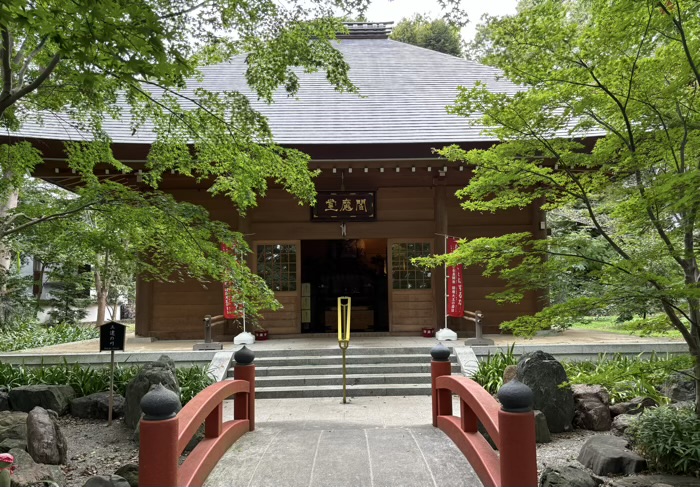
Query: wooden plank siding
(404, 213)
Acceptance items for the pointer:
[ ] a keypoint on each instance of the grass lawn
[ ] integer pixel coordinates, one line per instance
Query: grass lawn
(611, 325)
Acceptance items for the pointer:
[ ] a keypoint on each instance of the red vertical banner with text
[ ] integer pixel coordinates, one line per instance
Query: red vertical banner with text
(455, 285)
(233, 308)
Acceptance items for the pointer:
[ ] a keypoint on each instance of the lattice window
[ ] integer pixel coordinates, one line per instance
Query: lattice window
(277, 265)
(405, 275)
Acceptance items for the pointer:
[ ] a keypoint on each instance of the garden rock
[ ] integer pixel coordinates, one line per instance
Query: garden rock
(568, 476)
(608, 455)
(45, 441)
(622, 422)
(96, 406)
(9, 443)
(55, 398)
(161, 371)
(4, 401)
(680, 387)
(509, 373)
(106, 481)
(30, 473)
(130, 472)
(543, 374)
(541, 429)
(655, 481)
(592, 411)
(13, 425)
(635, 406)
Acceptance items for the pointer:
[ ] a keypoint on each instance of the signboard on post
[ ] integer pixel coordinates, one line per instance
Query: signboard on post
(112, 337)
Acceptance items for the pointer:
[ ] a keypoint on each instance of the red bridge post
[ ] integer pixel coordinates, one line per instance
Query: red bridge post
(516, 426)
(158, 438)
(244, 369)
(439, 366)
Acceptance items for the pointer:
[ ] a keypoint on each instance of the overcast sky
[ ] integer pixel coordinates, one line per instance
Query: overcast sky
(385, 10)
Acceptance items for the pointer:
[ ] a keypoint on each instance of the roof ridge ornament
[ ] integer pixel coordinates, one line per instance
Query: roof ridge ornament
(367, 30)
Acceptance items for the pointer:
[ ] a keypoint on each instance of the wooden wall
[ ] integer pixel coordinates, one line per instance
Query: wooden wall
(406, 209)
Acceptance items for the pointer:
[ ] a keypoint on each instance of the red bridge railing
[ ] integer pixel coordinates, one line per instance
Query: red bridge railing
(165, 434)
(510, 424)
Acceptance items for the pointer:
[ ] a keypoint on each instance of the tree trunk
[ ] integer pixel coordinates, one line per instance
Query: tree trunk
(5, 208)
(101, 306)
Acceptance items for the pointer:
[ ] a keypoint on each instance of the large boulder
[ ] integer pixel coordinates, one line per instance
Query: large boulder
(45, 441)
(635, 406)
(13, 426)
(29, 473)
(96, 406)
(543, 374)
(162, 372)
(106, 481)
(55, 398)
(4, 401)
(568, 476)
(130, 472)
(591, 407)
(680, 386)
(609, 455)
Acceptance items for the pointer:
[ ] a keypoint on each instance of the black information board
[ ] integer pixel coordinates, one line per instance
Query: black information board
(112, 335)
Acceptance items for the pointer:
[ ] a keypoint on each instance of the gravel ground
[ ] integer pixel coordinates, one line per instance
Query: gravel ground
(95, 449)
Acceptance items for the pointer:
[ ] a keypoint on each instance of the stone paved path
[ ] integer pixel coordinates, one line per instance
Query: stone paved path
(373, 442)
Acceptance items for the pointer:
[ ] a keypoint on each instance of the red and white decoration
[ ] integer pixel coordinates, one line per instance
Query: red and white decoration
(455, 285)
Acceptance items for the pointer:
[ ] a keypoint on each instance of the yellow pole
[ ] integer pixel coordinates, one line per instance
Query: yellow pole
(344, 336)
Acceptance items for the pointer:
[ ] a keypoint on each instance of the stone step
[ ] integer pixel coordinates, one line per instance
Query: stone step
(337, 379)
(414, 368)
(334, 359)
(335, 351)
(337, 391)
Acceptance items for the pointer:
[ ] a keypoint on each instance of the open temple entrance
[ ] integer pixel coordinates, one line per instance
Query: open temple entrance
(353, 267)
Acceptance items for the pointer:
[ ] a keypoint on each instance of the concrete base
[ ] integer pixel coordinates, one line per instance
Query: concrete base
(244, 338)
(208, 346)
(445, 334)
(479, 342)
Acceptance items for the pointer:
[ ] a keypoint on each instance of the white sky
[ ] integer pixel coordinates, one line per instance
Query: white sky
(385, 10)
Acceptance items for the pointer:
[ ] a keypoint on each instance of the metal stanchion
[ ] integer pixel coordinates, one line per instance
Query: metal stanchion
(344, 336)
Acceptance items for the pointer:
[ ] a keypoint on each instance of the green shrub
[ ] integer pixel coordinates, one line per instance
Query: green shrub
(87, 380)
(192, 380)
(34, 335)
(626, 378)
(669, 439)
(489, 373)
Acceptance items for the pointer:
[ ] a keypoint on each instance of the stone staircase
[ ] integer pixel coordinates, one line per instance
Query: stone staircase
(319, 372)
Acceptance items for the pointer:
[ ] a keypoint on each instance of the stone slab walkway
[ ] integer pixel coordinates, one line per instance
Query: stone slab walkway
(371, 441)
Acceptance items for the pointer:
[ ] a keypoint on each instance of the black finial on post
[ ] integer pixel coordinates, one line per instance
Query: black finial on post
(515, 397)
(440, 353)
(160, 403)
(244, 356)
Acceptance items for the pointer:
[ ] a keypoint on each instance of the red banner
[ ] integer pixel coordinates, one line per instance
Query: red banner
(455, 285)
(233, 309)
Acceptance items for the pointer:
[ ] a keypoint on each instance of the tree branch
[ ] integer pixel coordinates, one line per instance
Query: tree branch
(43, 76)
(29, 59)
(48, 218)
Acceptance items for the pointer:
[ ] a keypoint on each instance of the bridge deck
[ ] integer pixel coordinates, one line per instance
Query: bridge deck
(372, 441)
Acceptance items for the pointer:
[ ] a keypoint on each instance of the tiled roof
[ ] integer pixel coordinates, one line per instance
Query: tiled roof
(404, 89)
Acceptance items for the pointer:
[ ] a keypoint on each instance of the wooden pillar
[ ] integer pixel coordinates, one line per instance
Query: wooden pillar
(440, 212)
(144, 307)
